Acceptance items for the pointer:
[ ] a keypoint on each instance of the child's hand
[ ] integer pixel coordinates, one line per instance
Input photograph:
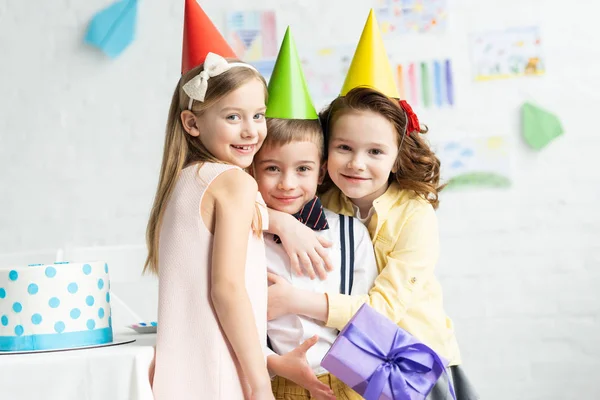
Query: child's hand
(286, 299)
(305, 249)
(280, 296)
(293, 366)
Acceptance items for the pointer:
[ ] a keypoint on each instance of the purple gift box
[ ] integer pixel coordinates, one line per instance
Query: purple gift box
(381, 361)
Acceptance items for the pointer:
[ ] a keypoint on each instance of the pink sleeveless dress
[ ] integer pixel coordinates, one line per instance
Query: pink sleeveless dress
(193, 357)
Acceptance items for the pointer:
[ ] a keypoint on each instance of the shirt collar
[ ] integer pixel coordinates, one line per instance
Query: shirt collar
(365, 220)
(381, 205)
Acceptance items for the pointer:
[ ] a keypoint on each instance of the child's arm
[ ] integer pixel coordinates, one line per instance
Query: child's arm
(303, 246)
(233, 220)
(409, 264)
(287, 299)
(294, 366)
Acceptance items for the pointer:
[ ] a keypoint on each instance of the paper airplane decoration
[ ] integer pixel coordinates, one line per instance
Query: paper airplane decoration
(112, 29)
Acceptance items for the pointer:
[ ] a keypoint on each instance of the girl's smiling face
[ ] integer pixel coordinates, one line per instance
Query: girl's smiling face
(361, 154)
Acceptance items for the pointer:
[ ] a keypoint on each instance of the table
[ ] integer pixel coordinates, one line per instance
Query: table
(115, 372)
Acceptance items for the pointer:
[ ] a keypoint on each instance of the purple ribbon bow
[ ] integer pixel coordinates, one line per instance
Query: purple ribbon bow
(403, 366)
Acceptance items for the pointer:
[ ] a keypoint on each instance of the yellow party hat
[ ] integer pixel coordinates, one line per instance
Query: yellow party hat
(370, 66)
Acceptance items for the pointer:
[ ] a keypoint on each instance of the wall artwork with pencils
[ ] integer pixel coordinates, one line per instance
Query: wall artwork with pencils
(428, 84)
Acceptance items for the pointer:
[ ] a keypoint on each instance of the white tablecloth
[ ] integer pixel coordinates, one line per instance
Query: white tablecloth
(105, 373)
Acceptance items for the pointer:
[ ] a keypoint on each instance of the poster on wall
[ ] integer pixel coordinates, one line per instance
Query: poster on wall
(428, 83)
(398, 17)
(507, 54)
(482, 162)
(252, 34)
(325, 70)
(264, 67)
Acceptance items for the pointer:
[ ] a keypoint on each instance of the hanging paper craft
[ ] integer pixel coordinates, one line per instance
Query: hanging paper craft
(539, 127)
(112, 29)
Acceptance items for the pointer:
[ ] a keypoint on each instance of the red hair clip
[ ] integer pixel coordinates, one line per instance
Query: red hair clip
(412, 122)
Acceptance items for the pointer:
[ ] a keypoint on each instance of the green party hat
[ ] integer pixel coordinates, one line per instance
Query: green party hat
(288, 92)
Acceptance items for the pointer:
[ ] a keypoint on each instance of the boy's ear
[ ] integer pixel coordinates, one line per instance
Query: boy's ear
(322, 172)
(190, 123)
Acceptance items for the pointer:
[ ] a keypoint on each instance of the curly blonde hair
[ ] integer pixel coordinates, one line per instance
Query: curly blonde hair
(417, 167)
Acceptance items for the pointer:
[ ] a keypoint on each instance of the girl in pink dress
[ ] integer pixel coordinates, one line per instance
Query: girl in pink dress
(205, 242)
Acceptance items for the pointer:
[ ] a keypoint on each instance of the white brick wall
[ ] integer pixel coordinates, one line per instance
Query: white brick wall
(81, 138)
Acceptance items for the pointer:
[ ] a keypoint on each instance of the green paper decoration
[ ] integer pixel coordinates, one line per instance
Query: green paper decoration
(539, 127)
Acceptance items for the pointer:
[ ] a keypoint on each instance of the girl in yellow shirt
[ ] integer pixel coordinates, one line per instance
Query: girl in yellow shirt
(381, 171)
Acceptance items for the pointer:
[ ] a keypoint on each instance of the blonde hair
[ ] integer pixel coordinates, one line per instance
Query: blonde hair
(285, 131)
(182, 149)
(417, 167)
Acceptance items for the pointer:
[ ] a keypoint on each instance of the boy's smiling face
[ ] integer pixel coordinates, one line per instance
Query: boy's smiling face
(288, 175)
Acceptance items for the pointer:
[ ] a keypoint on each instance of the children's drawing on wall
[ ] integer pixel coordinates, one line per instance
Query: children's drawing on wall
(406, 16)
(265, 67)
(475, 162)
(426, 83)
(252, 34)
(325, 69)
(507, 54)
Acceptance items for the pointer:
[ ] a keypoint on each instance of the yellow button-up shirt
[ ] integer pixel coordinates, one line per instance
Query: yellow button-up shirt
(405, 237)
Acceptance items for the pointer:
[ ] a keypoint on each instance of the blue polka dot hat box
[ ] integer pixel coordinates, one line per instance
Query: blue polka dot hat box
(52, 307)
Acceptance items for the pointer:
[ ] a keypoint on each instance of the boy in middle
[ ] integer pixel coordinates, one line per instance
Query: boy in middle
(288, 169)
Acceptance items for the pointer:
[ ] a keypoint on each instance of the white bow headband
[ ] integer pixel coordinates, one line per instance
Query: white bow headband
(214, 65)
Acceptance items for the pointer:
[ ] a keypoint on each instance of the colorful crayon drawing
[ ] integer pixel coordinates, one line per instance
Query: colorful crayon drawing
(507, 54)
(325, 70)
(264, 67)
(405, 16)
(426, 83)
(475, 162)
(252, 34)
